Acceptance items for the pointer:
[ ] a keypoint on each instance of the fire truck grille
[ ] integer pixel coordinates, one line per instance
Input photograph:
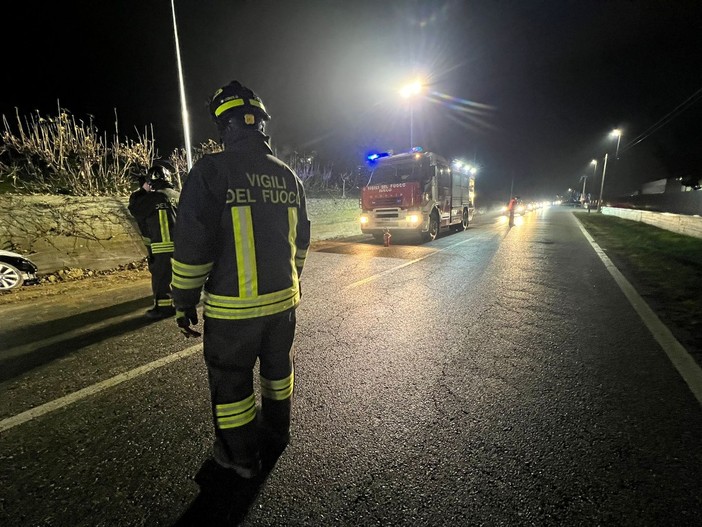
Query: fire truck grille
(382, 214)
(389, 201)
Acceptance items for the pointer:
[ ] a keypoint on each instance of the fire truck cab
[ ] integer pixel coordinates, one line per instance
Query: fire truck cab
(416, 192)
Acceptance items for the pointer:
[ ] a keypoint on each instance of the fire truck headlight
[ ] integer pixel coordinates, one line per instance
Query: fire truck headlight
(363, 219)
(413, 218)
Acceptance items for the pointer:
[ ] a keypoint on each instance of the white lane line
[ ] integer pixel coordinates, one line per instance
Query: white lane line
(71, 398)
(397, 267)
(678, 355)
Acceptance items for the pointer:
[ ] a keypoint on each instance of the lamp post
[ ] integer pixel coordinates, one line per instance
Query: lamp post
(604, 170)
(618, 134)
(614, 133)
(582, 194)
(409, 91)
(183, 106)
(594, 170)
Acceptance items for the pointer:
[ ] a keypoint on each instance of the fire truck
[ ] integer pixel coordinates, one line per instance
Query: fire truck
(416, 193)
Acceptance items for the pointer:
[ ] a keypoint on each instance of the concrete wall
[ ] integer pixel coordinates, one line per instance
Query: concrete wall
(688, 203)
(680, 223)
(58, 232)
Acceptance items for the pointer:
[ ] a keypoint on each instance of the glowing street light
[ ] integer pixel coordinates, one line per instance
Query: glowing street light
(618, 134)
(614, 133)
(414, 88)
(410, 91)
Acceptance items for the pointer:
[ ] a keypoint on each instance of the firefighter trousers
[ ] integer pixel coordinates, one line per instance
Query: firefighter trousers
(231, 348)
(161, 272)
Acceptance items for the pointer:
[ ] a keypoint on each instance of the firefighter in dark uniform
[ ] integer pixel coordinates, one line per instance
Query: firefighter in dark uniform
(154, 207)
(243, 233)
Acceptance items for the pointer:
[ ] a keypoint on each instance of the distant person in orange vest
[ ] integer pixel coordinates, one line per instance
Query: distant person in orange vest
(512, 204)
(511, 208)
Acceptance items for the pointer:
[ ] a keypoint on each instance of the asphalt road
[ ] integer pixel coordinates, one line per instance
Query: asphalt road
(494, 376)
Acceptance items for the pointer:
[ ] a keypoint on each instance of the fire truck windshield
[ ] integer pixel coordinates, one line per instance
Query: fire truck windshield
(396, 173)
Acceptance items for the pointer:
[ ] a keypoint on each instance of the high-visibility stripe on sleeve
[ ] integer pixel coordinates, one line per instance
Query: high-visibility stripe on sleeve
(162, 247)
(278, 390)
(300, 257)
(245, 251)
(292, 235)
(163, 222)
(239, 413)
(189, 276)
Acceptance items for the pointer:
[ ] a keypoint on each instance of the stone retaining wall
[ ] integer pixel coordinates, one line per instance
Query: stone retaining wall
(59, 232)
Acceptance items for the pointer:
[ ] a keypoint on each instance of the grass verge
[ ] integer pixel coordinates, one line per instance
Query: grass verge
(663, 266)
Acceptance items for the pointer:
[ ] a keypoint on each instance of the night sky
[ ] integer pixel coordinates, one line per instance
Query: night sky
(528, 90)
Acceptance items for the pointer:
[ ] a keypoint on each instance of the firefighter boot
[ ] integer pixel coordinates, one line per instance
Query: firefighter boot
(246, 469)
(163, 308)
(274, 423)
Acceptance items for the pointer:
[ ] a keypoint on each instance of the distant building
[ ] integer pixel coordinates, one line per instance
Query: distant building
(676, 195)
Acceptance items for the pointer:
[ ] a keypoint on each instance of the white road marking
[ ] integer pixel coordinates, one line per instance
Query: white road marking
(678, 355)
(71, 398)
(397, 267)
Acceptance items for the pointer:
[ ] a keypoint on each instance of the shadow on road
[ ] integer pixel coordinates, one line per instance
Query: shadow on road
(31, 358)
(33, 332)
(224, 497)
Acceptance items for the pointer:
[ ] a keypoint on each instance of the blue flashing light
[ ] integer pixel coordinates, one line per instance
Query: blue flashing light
(417, 149)
(374, 156)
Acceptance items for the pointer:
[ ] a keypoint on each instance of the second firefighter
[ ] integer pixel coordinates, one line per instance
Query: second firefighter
(154, 207)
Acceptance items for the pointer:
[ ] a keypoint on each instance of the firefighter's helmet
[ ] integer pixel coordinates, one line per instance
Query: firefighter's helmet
(237, 104)
(158, 175)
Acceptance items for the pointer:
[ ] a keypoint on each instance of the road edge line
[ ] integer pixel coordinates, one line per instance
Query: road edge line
(687, 367)
(62, 402)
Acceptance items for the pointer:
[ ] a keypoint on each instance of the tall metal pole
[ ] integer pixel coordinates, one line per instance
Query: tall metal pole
(582, 194)
(594, 172)
(619, 138)
(411, 125)
(183, 106)
(604, 170)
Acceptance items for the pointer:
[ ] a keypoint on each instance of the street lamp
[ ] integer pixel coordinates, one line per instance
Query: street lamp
(618, 134)
(604, 170)
(594, 170)
(614, 133)
(409, 91)
(184, 109)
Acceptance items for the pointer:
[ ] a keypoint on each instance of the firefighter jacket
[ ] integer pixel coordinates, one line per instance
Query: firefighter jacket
(243, 233)
(155, 213)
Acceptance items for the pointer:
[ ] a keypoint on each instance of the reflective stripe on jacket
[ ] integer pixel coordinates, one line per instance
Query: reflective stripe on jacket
(155, 214)
(243, 234)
